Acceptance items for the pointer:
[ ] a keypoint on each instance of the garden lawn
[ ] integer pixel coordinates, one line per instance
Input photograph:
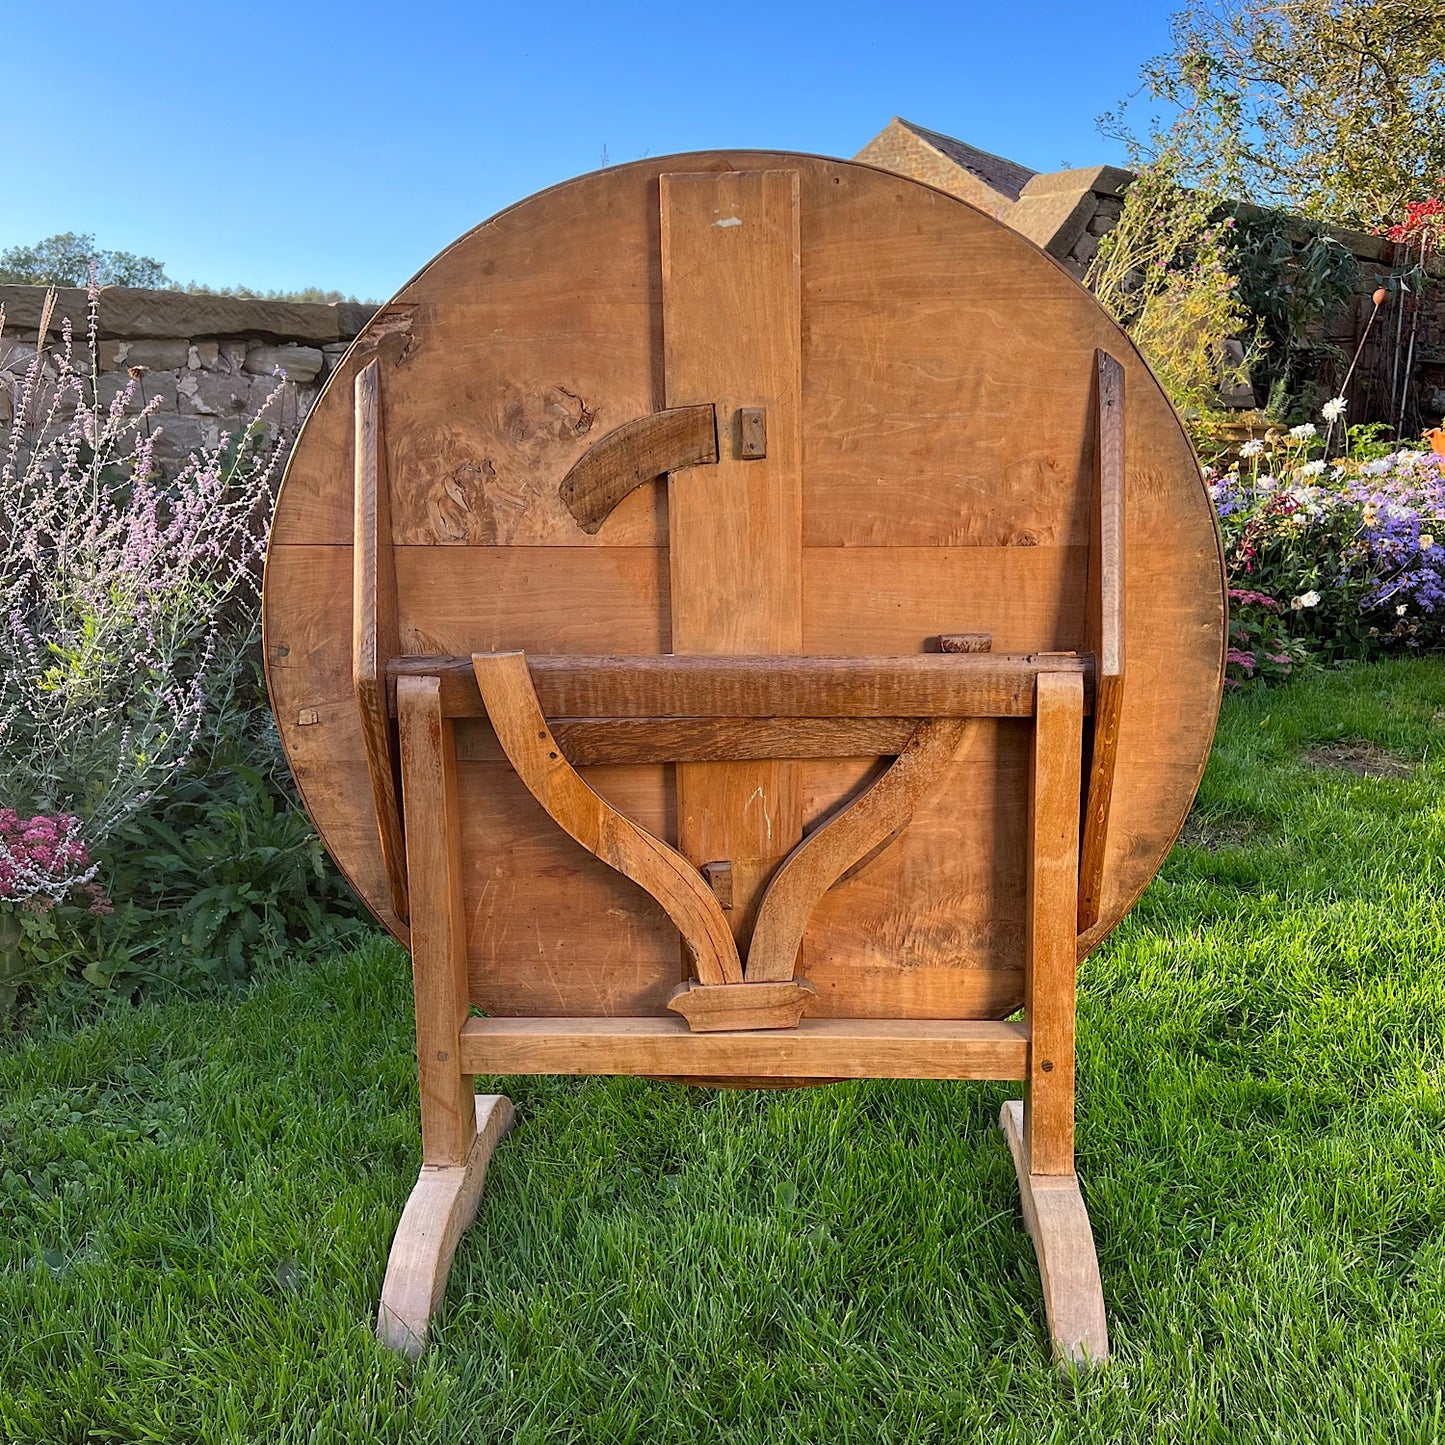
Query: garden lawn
(198, 1198)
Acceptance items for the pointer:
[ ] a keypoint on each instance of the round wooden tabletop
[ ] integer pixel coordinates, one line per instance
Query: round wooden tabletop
(931, 407)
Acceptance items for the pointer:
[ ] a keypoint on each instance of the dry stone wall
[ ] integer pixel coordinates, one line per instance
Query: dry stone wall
(209, 363)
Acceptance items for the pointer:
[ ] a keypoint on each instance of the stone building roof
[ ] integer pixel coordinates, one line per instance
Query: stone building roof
(1053, 209)
(998, 173)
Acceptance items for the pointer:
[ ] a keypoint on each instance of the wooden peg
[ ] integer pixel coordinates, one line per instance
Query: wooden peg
(965, 642)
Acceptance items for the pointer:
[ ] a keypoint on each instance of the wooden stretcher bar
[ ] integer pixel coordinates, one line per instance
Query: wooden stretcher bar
(817, 1049)
(665, 686)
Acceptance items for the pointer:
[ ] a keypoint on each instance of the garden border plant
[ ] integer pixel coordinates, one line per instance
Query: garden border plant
(144, 827)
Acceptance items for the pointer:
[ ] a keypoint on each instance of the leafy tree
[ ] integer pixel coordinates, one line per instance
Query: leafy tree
(66, 260)
(1330, 108)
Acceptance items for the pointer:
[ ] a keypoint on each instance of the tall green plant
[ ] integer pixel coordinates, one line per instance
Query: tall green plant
(1164, 273)
(1293, 275)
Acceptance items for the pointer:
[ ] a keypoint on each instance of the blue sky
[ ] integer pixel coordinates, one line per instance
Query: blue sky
(343, 145)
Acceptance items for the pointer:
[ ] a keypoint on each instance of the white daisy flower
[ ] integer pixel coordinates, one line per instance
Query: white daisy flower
(1305, 599)
(1333, 410)
(1252, 448)
(1303, 431)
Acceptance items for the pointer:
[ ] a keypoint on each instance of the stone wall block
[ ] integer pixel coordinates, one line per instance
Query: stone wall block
(150, 386)
(210, 393)
(284, 411)
(300, 363)
(1085, 249)
(154, 355)
(203, 356)
(177, 436)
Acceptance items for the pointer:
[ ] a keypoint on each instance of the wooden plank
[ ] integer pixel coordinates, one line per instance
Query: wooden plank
(509, 368)
(926, 685)
(817, 1048)
(898, 599)
(820, 860)
(732, 335)
(374, 633)
(438, 924)
(1105, 631)
(551, 929)
(540, 599)
(511, 702)
(1052, 909)
(638, 451)
(695, 740)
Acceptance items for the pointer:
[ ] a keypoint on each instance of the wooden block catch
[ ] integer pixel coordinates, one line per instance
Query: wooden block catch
(696, 619)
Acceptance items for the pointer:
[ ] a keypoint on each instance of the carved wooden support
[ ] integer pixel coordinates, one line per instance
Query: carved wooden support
(829, 851)
(516, 716)
(636, 452)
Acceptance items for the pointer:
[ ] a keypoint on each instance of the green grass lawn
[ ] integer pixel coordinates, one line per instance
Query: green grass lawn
(196, 1199)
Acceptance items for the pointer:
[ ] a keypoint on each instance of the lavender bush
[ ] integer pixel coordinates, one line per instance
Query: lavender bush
(129, 659)
(1331, 556)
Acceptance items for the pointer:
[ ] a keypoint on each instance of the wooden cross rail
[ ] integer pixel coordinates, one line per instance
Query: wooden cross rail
(677, 687)
(815, 1049)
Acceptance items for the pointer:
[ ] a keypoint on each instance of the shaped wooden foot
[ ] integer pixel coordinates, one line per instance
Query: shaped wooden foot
(1058, 1223)
(441, 1206)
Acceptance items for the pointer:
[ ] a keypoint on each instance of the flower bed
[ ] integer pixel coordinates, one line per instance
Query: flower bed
(1330, 556)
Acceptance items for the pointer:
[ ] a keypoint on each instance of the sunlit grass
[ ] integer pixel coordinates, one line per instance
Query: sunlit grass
(198, 1198)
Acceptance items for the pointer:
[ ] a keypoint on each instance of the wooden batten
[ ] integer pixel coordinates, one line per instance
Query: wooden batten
(1052, 905)
(855, 832)
(438, 925)
(1105, 635)
(732, 336)
(375, 638)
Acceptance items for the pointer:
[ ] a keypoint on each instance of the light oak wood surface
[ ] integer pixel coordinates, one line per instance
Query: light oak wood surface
(1058, 1223)
(731, 332)
(441, 1206)
(946, 414)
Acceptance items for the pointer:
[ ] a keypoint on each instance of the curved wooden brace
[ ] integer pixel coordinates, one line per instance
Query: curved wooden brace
(516, 717)
(1058, 1222)
(442, 1205)
(638, 451)
(820, 860)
